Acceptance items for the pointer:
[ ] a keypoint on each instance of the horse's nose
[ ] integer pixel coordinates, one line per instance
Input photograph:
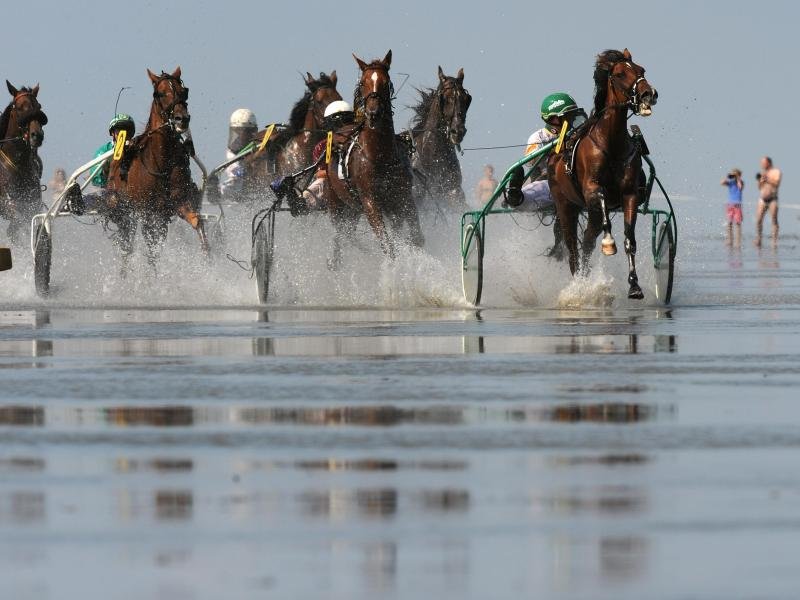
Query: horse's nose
(36, 137)
(654, 98)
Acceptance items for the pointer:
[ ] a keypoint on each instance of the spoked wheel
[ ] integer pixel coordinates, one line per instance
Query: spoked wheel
(472, 264)
(664, 262)
(42, 259)
(263, 254)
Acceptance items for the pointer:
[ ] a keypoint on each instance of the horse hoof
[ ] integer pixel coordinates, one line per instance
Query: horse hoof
(635, 293)
(609, 247)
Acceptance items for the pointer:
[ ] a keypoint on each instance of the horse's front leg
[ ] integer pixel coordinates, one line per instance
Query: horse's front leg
(375, 219)
(629, 202)
(192, 217)
(597, 196)
(594, 225)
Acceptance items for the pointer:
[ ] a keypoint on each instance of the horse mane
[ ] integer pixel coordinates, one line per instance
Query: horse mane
(298, 115)
(6, 116)
(602, 66)
(427, 97)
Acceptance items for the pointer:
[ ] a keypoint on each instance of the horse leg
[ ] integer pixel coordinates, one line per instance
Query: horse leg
(568, 221)
(608, 245)
(594, 224)
(634, 291)
(187, 212)
(411, 216)
(375, 219)
(154, 231)
(124, 219)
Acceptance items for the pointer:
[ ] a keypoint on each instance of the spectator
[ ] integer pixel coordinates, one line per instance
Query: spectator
(733, 181)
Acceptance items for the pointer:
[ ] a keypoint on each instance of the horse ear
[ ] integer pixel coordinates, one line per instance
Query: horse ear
(460, 75)
(11, 89)
(177, 73)
(361, 64)
(333, 77)
(309, 78)
(387, 60)
(153, 77)
(441, 74)
(35, 90)
(626, 54)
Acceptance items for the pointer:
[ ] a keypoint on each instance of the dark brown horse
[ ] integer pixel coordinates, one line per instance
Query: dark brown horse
(21, 134)
(438, 128)
(607, 165)
(290, 150)
(158, 184)
(375, 165)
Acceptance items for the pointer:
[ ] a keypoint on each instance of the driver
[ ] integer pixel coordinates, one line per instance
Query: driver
(338, 114)
(535, 195)
(78, 203)
(241, 131)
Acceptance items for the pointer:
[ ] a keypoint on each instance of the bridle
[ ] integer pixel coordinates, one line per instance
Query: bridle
(180, 96)
(317, 107)
(384, 101)
(461, 101)
(633, 99)
(24, 121)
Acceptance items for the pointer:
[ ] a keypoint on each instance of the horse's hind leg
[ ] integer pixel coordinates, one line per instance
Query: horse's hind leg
(634, 291)
(123, 238)
(568, 221)
(412, 219)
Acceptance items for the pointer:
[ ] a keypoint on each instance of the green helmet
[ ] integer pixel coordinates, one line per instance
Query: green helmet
(122, 121)
(557, 105)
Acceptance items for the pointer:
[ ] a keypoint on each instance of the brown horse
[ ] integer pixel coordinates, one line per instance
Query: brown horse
(290, 150)
(21, 134)
(376, 168)
(438, 128)
(158, 184)
(605, 174)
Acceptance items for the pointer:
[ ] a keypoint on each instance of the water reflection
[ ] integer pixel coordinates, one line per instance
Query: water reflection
(623, 558)
(27, 416)
(22, 464)
(340, 504)
(158, 465)
(606, 500)
(174, 505)
(22, 507)
(338, 416)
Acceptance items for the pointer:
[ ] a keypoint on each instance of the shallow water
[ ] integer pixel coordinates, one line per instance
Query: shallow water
(163, 437)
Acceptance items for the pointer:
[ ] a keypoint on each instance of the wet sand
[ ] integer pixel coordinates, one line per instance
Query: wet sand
(187, 452)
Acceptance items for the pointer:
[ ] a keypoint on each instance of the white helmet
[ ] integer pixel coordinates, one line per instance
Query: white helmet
(336, 107)
(243, 117)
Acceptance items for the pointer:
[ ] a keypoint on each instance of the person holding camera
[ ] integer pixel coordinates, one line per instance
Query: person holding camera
(769, 180)
(733, 181)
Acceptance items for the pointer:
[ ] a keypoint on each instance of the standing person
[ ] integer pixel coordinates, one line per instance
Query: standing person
(769, 180)
(733, 181)
(486, 186)
(58, 182)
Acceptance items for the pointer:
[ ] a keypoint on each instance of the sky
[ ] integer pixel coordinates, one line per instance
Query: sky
(725, 72)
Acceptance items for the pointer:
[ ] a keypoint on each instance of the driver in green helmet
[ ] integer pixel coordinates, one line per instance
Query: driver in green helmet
(78, 203)
(535, 195)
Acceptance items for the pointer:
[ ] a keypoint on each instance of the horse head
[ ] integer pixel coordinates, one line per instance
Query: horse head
(454, 102)
(171, 99)
(323, 92)
(28, 114)
(374, 90)
(626, 83)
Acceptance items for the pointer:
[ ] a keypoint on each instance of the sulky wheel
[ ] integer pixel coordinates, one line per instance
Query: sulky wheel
(472, 264)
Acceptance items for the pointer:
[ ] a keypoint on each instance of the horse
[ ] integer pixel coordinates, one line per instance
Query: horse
(290, 149)
(21, 135)
(375, 166)
(606, 171)
(438, 128)
(158, 184)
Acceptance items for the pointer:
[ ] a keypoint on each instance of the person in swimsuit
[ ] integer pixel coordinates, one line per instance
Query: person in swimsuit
(486, 186)
(769, 180)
